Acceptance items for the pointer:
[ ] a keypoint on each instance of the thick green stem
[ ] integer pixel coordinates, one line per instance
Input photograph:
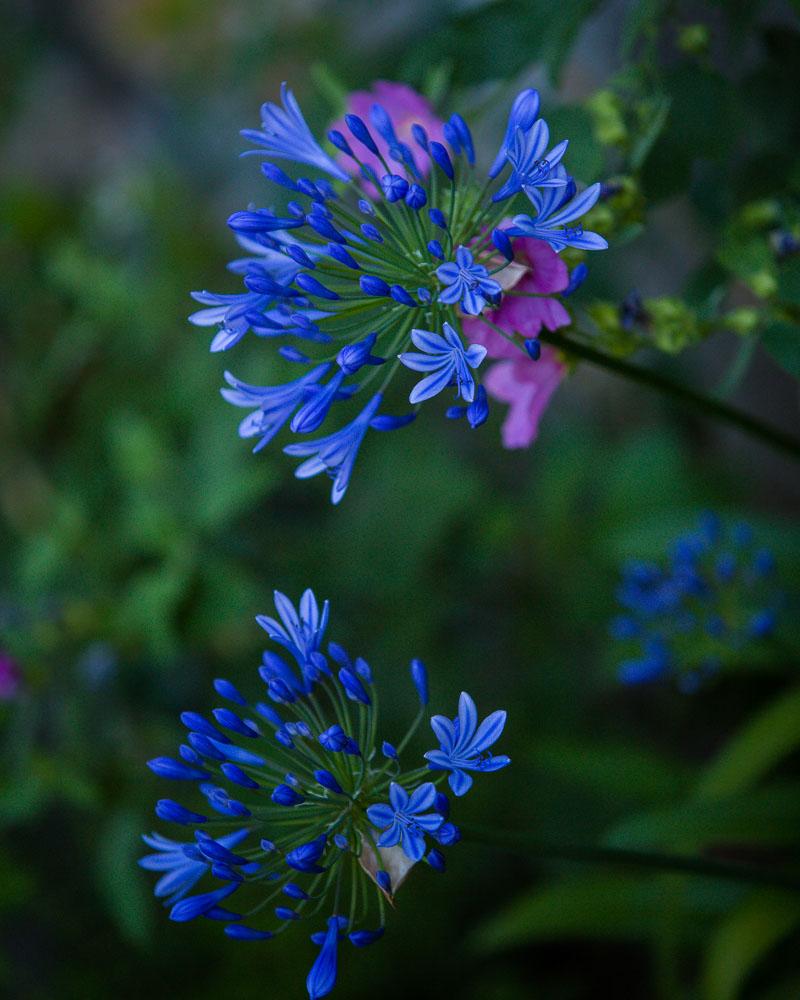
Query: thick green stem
(705, 404)
(522, 843)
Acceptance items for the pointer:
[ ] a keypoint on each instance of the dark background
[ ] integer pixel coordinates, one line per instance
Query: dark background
(140, 538)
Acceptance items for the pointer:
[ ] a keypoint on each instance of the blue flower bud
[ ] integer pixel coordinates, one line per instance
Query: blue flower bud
(435, 859)
(447, 834)
(177, 770)
(341, 841)
(452, 137)
(399, 294)
(533, 348)
(240, 932)
(327, 780)
(442, 804)
(416, 197)
(353, 687)
(372, 285)
(423, 294)
(361, 132)
(503, 243)
(339, 253)
(174, 812)
(230, 720)
(442, 159)
(383, 880)
(284, 913)
(435, 248)
(278, 176)
(366, 207)
(324, 227)
(420, 136)
(196, 722)
(419, 675)
(762, 623)
(333, 739)
(394, 187)
(235, 774)
(576, 278)
(294, 891)
(371, 232)
(268, 846)
(206, 746)
(339, 141)
(360, 939)
(383, 123)
(310, 284)
(284, 795)
(478, 409)
(464, 136)
(298, 254)
(436, 215)
(388, 750)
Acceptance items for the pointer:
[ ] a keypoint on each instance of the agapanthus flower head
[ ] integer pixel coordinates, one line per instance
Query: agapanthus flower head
(403, 237)
(296, 809)
(712, 600)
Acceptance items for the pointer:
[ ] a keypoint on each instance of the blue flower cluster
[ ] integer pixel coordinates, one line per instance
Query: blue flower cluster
(298, 811)
(713, 598)
(359, 264)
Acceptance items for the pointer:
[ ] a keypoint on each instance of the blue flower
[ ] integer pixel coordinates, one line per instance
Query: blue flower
(407, 818)
(308, 802)
(322, 977)
(182, 872)
(532, 166)
(284, 134)
(556, 207)
(336, 453)
(463, 744)
(274, 404)
(521, 117)
(468, 284)
(361, 292)
(709, 602)
(447, 360)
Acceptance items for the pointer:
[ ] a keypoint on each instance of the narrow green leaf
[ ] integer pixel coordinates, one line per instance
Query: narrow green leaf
(744, 939)
(763, 816)
(767, 738)
(121, 881)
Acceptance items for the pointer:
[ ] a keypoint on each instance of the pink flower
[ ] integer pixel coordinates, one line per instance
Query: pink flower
(405, 107)
(524, 384)
(10, 677)
(527, 387)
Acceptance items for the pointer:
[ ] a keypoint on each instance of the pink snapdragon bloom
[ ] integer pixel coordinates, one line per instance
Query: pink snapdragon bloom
(405, 107)
(10, 677)
(525, 385)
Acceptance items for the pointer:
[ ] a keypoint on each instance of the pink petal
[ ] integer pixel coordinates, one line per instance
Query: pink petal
(548, 270)
(527, 386)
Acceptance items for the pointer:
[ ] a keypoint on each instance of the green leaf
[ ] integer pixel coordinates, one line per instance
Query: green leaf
(767, 738)
(604, 906)
(618, 772)
(121, 881)
(764, 816)
(789, 282)
(744, 939)
(782, 340)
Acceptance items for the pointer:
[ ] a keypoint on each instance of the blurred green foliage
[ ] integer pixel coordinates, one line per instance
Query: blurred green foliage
(140, 538)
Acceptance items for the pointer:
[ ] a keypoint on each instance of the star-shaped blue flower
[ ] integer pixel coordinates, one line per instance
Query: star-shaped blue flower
(181, 872)
(406, 821)
(463, 744)
(467, 283)
(446, 359)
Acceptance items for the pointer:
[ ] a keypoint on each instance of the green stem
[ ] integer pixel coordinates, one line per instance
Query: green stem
(705, 404)
(623, 857)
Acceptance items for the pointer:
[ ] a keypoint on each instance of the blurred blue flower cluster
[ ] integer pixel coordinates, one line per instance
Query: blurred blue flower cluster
(711, 601)
(298, 810)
